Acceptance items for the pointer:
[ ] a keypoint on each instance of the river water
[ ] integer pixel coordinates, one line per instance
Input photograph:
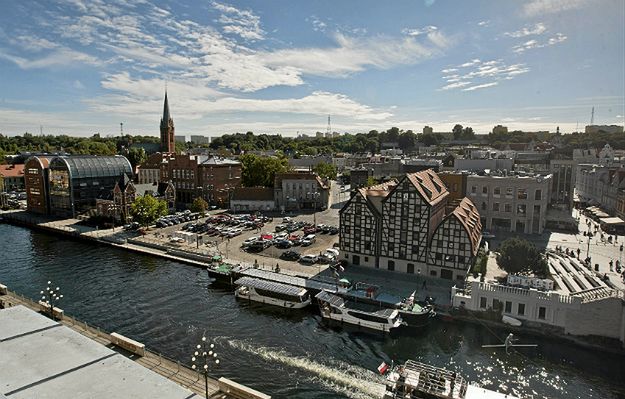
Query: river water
(168, 306)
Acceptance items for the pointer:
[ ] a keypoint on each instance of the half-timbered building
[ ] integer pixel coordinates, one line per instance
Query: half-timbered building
(455, 242)
(410, 213)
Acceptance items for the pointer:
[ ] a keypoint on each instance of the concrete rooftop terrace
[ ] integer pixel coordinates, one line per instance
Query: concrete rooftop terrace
(40, 358)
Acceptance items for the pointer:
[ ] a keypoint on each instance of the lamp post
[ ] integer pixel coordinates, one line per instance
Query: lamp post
(51, 296)
(588, 246)
(203, 357)
(315, 195)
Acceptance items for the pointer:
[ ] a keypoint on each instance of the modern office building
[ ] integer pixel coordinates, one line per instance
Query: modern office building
(75, 182)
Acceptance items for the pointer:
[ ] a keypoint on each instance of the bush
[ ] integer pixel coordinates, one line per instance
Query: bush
(479, 267)
(519, 256)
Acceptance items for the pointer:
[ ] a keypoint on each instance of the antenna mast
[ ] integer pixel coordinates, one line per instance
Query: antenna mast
(121, 129)
(592, 116)
(329, 129)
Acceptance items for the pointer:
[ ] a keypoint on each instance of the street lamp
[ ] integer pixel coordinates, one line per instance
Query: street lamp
(203, 357)
(588, 247)
(315, 195)
(51, 296)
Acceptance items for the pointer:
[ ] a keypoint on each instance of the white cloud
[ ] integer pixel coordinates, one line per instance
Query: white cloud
(78, 85)
(419, 31)
(532, 44)
(541, 7)
(537, 29)
(354, 54)
(484, 23)
(243, 23)
(55, 58)
(475, 72)
(482, 86)
(318, 24)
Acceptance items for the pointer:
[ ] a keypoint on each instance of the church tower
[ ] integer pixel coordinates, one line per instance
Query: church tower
(167, 130)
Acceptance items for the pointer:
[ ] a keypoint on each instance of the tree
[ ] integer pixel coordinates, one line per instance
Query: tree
(467, 133)
(137, 156)
(457, 131)
(519, 256)
(146, 209)
(199, 205)
(261, 171)
(370, 181)
(325, 170)
(430, 139)
(407, 141)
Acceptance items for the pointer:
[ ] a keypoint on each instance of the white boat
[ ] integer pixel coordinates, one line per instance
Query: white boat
(270, 293)
(334, 307)
(511, 321)
(419, 380)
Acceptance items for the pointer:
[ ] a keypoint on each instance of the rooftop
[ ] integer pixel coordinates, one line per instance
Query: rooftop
(43, 358)
(15, 170)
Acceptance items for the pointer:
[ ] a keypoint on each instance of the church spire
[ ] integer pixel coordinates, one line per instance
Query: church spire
(166, 116)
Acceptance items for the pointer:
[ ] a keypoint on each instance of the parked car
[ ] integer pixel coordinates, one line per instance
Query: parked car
(334, 230)
(310, 230)
(290, 255)
(281, 236)
(333, 251)
(249, 241)
(280, 227)
(310, 259)
(286, 219)
(308, 240)
(259, 245)
(283, 244)
(326, 258)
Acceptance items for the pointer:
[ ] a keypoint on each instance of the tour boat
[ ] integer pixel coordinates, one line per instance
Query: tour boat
(334, 307)
(419, 380)
(414, 314)
(271, 293)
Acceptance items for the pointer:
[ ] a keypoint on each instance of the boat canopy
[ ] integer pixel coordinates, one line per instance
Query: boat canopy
(331, 299)
(270, 286)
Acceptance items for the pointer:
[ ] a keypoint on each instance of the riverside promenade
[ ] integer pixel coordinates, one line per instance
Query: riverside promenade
(172, 370)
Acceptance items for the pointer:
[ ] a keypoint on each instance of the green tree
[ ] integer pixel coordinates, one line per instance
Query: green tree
(430, 139)
(325, 170)
(261, 171)
(199, 205)
(519, 256)
(457, 131)
(467, 133)
(137, 156)
(146, 209)
(371, 181)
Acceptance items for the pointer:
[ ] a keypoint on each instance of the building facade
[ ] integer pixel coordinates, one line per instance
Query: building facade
(402, 226)
(37, 183)
(456, 183)
(601, 185)
(251, 199)
(75, 182)
(12, 176)
(515, 203)
(301, 191)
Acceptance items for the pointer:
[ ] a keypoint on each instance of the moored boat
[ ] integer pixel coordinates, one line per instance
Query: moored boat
(414, 314)
(415, 380)
(270, 293)
(333, 307)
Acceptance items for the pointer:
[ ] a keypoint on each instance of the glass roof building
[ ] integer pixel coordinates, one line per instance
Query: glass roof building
(75, 182)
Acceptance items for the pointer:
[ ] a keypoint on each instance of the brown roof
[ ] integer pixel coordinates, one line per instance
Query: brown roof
(252, 194)
(375, 194)
(15, 170)
(467, 214)
(429, 185)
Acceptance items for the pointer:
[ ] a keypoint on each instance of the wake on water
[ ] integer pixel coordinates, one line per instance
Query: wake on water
(346, 379)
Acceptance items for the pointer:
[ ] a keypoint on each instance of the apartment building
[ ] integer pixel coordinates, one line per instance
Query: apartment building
(301, 190)
(515, 202)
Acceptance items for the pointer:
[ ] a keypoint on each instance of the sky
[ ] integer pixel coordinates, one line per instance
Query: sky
(81, 67)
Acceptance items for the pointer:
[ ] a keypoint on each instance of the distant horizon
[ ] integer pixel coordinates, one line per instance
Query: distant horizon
(80, 67)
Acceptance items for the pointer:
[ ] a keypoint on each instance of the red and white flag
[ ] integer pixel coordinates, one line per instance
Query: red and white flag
(383, 368)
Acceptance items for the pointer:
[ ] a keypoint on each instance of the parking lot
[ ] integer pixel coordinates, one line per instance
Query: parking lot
(257, 240)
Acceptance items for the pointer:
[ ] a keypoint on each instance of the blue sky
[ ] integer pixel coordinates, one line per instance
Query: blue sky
(281, 66)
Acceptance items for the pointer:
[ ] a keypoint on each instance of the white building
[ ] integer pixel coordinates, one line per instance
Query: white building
(515, 203)
(297, 191)
(250, 199)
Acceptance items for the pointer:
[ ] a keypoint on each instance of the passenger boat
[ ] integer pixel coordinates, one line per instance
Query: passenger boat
(415, 380)
(334, 307)
(271, 293)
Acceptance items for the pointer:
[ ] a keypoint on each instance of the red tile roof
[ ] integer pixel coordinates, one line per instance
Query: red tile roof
(429, 185)
(467, 214)
(16, 170)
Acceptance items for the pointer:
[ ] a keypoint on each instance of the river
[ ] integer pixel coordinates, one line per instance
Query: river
(168, 306)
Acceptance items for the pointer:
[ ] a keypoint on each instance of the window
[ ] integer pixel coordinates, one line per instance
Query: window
(403, 237)
(391, 246)
(508, 307)
(415, 249)
(483, 302)
(542, 311)
(391, 265)
(485, 190)
(366, 259)
(497, 191)
(538, 195)
(496, 206)
(521, 309)
(368, 246)
(521, 209)
(433, 273)
(35, 191)
(450, 245)
(461, 246)
(509, 192)
(461, 259)
(439, 256)
(33, 171)
(507, 207)
(521, 193)
(410, 269)
(473, 189)
(484, 206)
(497, 304)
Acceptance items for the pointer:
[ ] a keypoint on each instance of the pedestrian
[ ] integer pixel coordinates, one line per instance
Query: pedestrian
(611, 264)
(424, 286)
(578, 252)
